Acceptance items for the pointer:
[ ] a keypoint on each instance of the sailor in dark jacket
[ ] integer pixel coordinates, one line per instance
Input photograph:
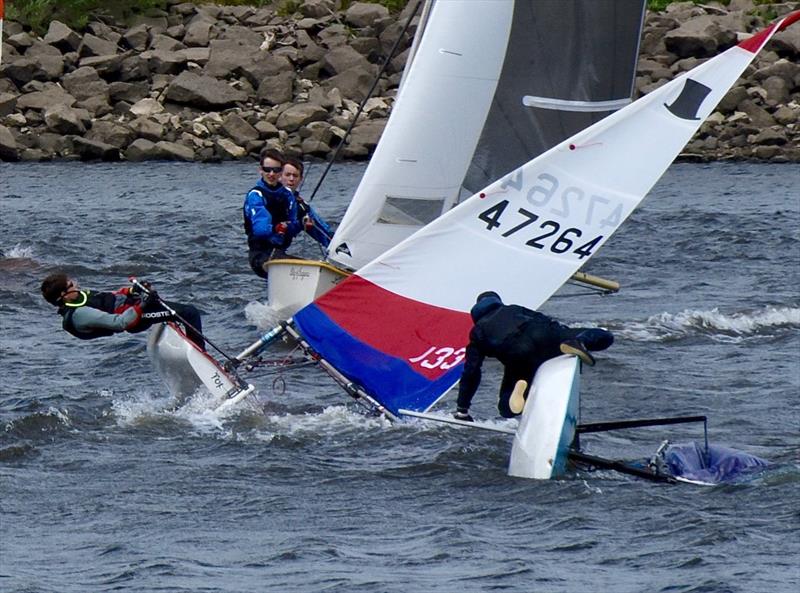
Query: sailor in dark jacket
(522, 340)
(88, 315)
(270, 214)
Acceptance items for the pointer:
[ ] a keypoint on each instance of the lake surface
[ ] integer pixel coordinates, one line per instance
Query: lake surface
(104, 487)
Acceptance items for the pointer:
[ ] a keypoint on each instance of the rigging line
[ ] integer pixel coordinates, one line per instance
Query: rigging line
(364, 102)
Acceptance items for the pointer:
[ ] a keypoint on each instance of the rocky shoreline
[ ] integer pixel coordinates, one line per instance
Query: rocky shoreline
(210, 83)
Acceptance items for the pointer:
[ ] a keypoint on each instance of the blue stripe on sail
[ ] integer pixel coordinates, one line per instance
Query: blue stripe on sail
(386, 378)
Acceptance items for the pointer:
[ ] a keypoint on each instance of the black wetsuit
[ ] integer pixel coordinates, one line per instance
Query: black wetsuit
(522, 340)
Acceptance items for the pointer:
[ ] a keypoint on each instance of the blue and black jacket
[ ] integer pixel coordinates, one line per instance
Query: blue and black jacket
(264, 207)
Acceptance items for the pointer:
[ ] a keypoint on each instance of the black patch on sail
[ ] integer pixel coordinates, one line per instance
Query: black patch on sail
(689, 101)
(343, 248)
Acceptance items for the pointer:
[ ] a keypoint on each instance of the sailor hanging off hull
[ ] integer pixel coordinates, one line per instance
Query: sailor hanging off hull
(89, 315)
(522, 340)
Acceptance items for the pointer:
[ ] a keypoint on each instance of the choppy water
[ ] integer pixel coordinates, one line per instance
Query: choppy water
(101, 489)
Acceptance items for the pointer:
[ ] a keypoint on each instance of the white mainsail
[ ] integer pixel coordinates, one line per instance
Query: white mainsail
(492, 84)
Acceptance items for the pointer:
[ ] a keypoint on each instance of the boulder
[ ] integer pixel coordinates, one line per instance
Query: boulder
(203, 91)
(90, 150)
(147, 129)
(238, 129)
(62, 37)
(62, 119)
(299, 115)
(352, 84)
(92, 45)
(227, 150)
(110, 133)
(342, 58)
(172, 151)
(84, 83)
(9, 151)
(50, 95)
(276, 89)
(136, 38)
(362, 14)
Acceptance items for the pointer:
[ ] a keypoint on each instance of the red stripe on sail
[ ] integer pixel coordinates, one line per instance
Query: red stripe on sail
(754, 43)
(429, 338)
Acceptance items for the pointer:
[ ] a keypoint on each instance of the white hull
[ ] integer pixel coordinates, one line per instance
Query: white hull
(547, 426)
(294, 283)
(185, 368)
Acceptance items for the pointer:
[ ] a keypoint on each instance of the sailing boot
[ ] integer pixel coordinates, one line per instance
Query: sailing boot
(576, 348)
(517, 401)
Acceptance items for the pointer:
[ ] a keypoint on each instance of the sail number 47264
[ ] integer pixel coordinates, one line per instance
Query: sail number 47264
(547, 234)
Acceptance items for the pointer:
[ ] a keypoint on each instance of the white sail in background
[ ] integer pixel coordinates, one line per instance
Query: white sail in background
(492, 83)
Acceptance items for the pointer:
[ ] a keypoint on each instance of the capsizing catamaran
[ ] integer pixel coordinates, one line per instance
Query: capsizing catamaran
(489, 84)
(393, 335)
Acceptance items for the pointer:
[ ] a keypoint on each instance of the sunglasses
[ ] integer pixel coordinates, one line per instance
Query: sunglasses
(272, 169)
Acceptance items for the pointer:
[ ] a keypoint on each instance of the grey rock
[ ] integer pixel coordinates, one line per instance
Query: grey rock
(164, 42)
(90, 150)
(198, 32)
(50, 95)
(110, 133)
(160, 61)
(8, 103)
(137, 38)
(362, 14)
(91, 45)
(62, 37)
(173, 151)
(225, 149)
(203, 91)
(103, 31)
(342, 58)
(758, 115)
(97, 105)
(9, 151)
(317, 8)
(299, 115)
(66, 120)
(107, 65)
(353, 84)
(238, 129)
(141, 150)
(127, 91)
(147, 129)
(732, 99)
(84, 83)
(276, 89)
(19, 41)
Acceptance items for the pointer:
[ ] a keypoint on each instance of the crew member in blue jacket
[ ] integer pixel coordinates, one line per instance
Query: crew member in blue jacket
(522, 340)
(313, 223)
(270, 214)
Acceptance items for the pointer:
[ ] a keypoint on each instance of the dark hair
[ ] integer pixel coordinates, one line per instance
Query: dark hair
(53, 287)
(270, 153)
(294, 162)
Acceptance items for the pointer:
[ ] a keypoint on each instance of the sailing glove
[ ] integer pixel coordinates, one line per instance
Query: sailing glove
(281, 228)
(151, 298)
(462, 414)
(308, 223)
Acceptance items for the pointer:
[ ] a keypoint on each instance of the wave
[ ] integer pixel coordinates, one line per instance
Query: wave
(722, 327)
(18, 252)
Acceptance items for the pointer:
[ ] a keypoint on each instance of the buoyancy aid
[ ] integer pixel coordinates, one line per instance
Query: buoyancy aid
(279, 202)
(109, 302)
